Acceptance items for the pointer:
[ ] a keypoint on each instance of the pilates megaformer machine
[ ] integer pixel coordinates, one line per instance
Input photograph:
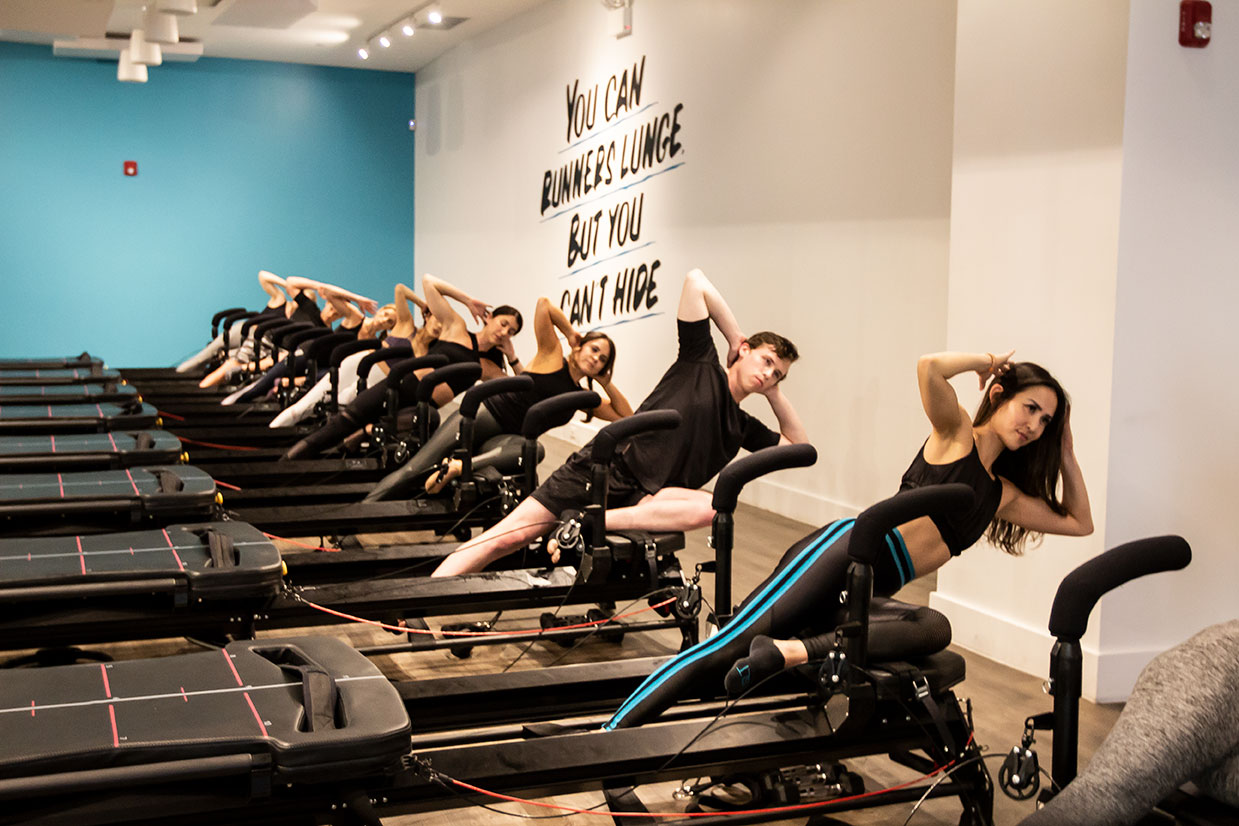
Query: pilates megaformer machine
(216, 578)
(294, 731)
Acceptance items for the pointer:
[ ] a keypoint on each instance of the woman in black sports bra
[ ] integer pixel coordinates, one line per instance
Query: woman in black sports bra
(591, 357)
(1012, 454)
(488, 346)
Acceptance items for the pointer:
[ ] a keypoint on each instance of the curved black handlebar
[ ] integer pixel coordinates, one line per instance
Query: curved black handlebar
(383, 354)
(342, 351)
(877, 520)
(1082, 588)
(323, 345)
(444, 375)
(474, 395)
(611, 435)
(403, 368)
(295, 339)
(218, 317)
(738, 474)
(557, 410)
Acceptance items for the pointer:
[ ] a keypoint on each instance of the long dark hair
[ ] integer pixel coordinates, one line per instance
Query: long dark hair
(607, 369)
(1034, 468)
(508, 309)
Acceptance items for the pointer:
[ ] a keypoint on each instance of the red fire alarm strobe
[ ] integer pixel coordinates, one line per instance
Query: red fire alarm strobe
(131, 169)
(1195, 23)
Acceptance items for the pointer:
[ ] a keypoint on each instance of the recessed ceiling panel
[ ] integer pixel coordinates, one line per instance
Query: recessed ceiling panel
(266, 14)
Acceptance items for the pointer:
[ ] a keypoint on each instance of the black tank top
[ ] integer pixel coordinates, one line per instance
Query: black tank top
(460, 354)
(959, 531)
(509, 408)
(306, 310)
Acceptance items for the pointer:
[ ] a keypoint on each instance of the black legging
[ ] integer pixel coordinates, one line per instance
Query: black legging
(402, 482)
(361, 411)
(801, 595)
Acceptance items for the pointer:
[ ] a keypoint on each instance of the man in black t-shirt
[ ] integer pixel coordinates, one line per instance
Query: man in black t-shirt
(654, 485)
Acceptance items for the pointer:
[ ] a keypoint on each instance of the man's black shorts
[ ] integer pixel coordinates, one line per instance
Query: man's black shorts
(568, 487)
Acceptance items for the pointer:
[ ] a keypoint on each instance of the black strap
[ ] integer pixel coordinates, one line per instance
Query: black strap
(223, 551)
(646, 542)
(143, 440)
(319, 696)
(621, 796)
(169, 481)
(914, 685)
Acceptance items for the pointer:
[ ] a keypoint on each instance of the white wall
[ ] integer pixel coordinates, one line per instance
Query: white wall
(1034, 238)
(814, 191)
(1088, 186)
(1174, 443)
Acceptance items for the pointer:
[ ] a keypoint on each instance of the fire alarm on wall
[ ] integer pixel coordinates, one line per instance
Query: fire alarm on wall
(131, 169)
(1195, 23)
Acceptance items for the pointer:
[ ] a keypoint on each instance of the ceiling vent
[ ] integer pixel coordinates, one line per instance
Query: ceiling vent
(266, 14)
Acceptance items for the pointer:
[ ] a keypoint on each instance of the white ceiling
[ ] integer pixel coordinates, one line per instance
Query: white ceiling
(280, 30)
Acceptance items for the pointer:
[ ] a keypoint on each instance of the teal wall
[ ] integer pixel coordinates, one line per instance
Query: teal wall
(242, 166)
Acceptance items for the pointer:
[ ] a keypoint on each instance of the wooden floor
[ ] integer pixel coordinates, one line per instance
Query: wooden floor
(1001, 698)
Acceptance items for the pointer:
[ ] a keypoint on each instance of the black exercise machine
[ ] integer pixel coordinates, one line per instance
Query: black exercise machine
(88, 451)
(110, 391)
(78, 767)
(101, 417)
(475, 501)
(102, 500)
(1077, 595)
(83, 361)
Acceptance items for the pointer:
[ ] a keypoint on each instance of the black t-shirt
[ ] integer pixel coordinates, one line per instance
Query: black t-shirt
(714, 427)
(459, 354)
(509, 409)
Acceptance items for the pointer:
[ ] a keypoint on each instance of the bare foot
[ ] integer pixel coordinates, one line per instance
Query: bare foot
(439, 479)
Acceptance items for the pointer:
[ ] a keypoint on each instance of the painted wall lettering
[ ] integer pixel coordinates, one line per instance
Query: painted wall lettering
(614, 145)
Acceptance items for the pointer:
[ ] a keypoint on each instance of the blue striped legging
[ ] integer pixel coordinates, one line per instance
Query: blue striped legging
(802, 592)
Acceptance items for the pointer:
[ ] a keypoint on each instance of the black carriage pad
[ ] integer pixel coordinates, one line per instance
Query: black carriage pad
(317, 708)
(88, 450)
(210, 560)
(82, 360)
(66, 393)
(98, 417)
(149, 490)
(38, 376)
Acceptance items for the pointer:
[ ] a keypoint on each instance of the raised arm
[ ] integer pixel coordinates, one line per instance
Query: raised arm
(949, 420)
(616, 406)
(366, 305)
(437, 291)
(1034, 514)
(791, 429)
(350, 314)
(404, 316)
(701, 299)
(273, 286)
(547, 318)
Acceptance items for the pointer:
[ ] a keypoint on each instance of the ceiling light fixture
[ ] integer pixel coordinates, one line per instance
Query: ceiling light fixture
(427, 14)
(143, 53)
(160, 27)
(178, 7)
(129, 72)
